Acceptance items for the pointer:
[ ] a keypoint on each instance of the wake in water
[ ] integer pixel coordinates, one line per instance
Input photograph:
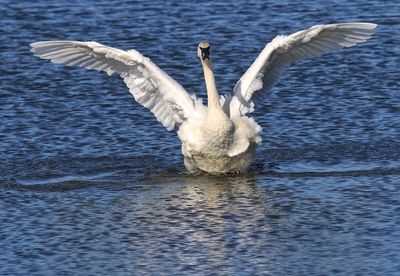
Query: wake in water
(113, 172)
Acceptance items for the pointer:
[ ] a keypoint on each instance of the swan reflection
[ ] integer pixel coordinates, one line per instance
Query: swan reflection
(215, 217)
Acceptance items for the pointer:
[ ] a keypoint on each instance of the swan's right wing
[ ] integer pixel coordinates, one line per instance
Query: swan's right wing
(284, 50)
(150, 86)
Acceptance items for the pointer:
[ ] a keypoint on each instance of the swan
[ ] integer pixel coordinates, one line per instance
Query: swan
(219, 137)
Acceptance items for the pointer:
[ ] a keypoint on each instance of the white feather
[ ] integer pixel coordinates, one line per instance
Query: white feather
(149, 85)
(284, 50)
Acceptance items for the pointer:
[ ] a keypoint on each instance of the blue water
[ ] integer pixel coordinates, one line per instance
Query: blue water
(91, 184)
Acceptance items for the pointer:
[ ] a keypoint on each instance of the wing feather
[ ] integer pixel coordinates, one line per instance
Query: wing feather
(282, 51)
(149, 85)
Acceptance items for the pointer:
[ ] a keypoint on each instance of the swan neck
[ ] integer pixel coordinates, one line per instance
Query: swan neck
(212, 93)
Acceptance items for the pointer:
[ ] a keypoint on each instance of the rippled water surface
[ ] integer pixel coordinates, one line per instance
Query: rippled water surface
(91, 184)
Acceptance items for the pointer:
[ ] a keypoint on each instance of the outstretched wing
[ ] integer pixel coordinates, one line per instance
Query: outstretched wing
(150, 86)
(264, 73)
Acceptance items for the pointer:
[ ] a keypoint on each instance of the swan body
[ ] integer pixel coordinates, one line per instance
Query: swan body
(219, 138)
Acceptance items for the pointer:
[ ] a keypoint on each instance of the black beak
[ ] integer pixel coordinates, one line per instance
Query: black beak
(205, 53)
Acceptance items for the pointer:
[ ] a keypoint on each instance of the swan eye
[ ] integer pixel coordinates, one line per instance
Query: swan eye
(205, 49)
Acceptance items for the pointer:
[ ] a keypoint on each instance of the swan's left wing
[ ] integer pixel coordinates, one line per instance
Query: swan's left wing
(264, 73)
(150, 86)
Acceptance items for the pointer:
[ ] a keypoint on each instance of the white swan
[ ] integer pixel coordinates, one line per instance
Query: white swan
(219, 138)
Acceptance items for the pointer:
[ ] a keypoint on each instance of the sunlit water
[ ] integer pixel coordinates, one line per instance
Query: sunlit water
(91, 184)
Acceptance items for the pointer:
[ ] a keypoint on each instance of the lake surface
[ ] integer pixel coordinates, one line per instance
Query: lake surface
(92, 184)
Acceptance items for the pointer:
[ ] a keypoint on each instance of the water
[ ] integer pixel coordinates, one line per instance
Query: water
(91, 184)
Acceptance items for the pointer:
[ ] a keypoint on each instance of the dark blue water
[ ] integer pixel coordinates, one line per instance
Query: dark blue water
(91, 184)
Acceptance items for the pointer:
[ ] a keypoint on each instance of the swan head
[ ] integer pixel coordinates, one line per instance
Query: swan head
(203, 51)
